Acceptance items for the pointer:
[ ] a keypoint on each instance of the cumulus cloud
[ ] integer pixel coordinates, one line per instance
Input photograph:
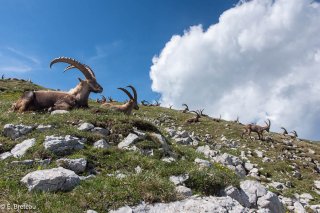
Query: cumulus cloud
(261, 60)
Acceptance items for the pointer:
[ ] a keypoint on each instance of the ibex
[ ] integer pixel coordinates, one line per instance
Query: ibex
(145, 103)
(256, 128)
(128, 106)
(202, 114)
(103, 100)
(110, 99)
(186, 108)
(295, 134)
(285, 132)
(194, 119)
(53, 100)
(170, 106)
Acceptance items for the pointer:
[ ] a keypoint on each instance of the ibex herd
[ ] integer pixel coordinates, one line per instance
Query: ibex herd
(78, 98)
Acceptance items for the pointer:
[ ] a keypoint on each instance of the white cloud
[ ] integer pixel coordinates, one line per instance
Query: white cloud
(261, 59)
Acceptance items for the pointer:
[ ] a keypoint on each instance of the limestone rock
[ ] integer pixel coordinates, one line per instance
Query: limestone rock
(15, 131)
(63, 145)
(76, 165)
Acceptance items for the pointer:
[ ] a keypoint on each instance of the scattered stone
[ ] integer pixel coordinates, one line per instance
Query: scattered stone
(248, 166)
(56, 179)
(168, 159)
(278, 185)
(5, 155)
(266, 159)
(76, 165)
(172, 132)
(178, 180)
(86, 127)
(189, 205)
(162, 141)
(238, 195)
(101, 144)
(317, 184)
(120, 176)
(184, 191)
(271, 202)
(59, 112)
(259, 153)
(20, 149)
(91, 211)
(15, 131)
(42, 127)
(202, 163)
(23, 162)
(207, 151)
(87, 177)
(63, 145)
(138, 169)
(232, 162)
(130, 139)
(315, 208)
(298, 207)
(297, 174)
(253, 190)
(100, 131)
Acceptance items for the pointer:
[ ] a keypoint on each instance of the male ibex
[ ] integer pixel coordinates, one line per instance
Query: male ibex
(53, 100)
(285, 132)
(194, 119)
(128, 106)
(103, 100)
(186, 109)
(145, 103)
(256, 128)
(295, 134)
(110, 99)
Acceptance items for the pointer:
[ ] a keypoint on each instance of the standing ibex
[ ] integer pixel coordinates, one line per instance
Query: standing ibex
(128, 106)
(256, 128)
(53, 100)
(295, 134)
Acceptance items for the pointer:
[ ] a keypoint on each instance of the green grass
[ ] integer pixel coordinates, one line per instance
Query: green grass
(105, 192)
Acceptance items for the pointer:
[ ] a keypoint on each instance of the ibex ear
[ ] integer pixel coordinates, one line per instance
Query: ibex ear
(80, 79)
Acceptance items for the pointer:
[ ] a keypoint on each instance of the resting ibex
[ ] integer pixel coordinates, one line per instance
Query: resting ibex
(194, 119)
(145, 103)
(128, 106)
(285, 132)
(103, 100)
(256, 128)
(186, 108)
(202, 114)
(110, 99)
(295, 134)
(53, 100)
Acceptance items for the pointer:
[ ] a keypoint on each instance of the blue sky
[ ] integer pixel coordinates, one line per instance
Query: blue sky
(117, 38)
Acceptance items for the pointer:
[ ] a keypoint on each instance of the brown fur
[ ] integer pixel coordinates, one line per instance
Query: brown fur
(257, 129)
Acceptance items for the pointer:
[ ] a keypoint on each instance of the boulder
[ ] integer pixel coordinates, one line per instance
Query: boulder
(20, 149)
(178, 180)
(184, 191)
(15, 131)
(59, 112)
(56, 179)
(130, 139)
(60, 145)
(76, 165)
(207, 151)
(85, 127)
(271, 202)
(252, 190)
(5, 155)
(101, 144)
(202, 163)
(100, 131)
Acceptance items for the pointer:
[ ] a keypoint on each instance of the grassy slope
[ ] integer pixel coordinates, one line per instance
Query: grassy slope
(152, 185)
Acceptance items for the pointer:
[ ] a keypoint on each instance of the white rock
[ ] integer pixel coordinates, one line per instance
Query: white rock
(177, 180)
(20, 149)
(253, 190)
(184, 191)
(202, 163)
(298, 208)
(91, 211)
(101, 144)
(125, 209)
(15, 131)
(259, 153)
(315, 208)
(56, 179)
(62, 145)
(317, 184)
(5, 155)
(138, 169)
(86, 127)
(76, 165)
(59, 112)
(207, 151)
(248, 166)
(238, 195)
(190, 205)
(130, 139)
(168, 159)
(42, 127)
(271, 201)
(162, 141)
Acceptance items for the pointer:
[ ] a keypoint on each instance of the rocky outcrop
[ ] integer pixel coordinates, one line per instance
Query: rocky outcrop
(62, 145)
(56, 179)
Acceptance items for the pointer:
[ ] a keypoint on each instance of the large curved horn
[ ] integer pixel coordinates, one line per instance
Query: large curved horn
(88, 73)
(195, 112)
(134, 92)
(86, 66)
(185, 106)
(126, 91)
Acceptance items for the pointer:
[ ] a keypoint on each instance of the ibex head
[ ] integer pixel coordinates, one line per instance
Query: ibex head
(133, 99)
(90, 81)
